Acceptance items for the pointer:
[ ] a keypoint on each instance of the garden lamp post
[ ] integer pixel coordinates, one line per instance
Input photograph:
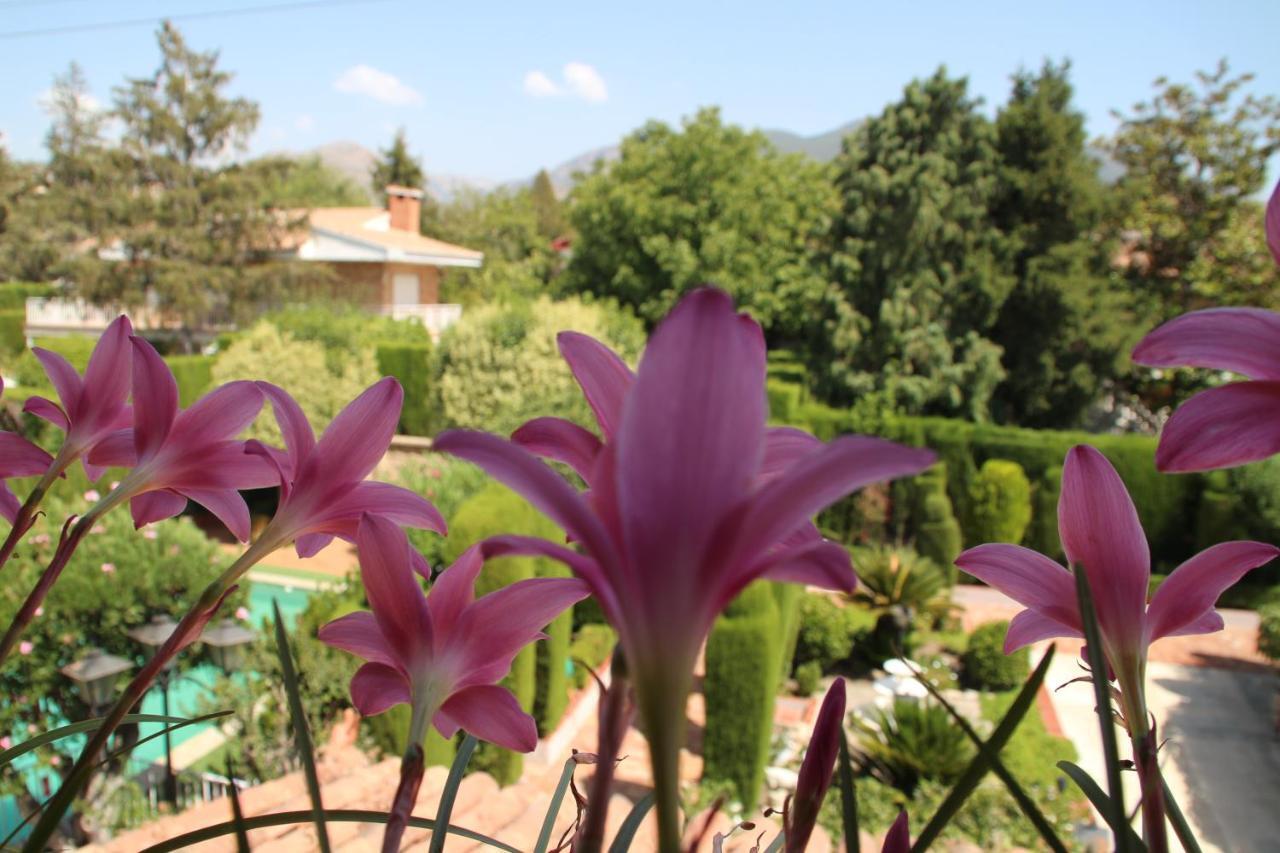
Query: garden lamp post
(95, 677)
(227, 642)
(153, 635)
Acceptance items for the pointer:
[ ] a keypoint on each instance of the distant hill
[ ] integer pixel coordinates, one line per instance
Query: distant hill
(356, 162)
(822, 147)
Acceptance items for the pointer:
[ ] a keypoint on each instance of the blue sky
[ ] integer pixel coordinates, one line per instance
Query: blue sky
(497, 90)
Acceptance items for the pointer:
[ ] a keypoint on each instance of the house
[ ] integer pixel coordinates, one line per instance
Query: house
(380, 256)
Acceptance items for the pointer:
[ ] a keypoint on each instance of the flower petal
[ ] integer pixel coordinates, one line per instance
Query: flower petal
(603, 376)
(1242, 340)
(818, 766)
(394, 503)
(310, 544)
(581, 565)
(1222, 427)
(358, 437)
(1032, 626)
(220, 415)
(359, 634)
(107, 377)
(1206, 623)
(561, 440)
(221, 465)
(1273, 223)
(692, 434)
(784, 447)
(491, 713)
(156, 506)
(1028, 577)
(1192, 589)
(454, 590)
(393, 592)
(294, 426)
(21, 458)
(810, 560)
(47, 410)
(226, 505)
(64, 378)
(9, 503)
(376, 687)
(899, 838)
(115, 450)
(155, 399)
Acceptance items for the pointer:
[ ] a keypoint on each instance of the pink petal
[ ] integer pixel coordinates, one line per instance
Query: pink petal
(359, 634)
(582, 566)
(818, 766)
(359, 436)
(155, 399)
(47, 410)
(1031, 626)
(561, 440)
(542, 487)
(220, 415)
(1193, 588)
(9, 503)
(1222, 427)
(818, 480)
(489, 633)
(116, 450)
(1208, 622)
(394, 595)
(64, 378)
(1101, 532)
(376, 687)
(221, 465)
(21, 458)
(784, 447)
(294, 426)
(1273, 223)
(227, 506)
(394, 503)
(603, 376)
(899, 838)
(1028, 577)
(281, 462)
(491, 713)
(454, 590)
(107, 377)
(692, 432)
(156, 506)
(1242, 340)
(823, 564)
(310, 544)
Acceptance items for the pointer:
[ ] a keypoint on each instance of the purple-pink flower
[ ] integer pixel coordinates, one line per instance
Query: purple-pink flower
(1101, 533)
(445, 652)
(1272, 225)
(899, 838)
(817, 769)
(18, 458)
(91, 407)
(1230, 424)
(192, 453)
(323, 491)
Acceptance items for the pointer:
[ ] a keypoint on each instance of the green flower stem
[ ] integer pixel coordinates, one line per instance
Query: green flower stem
(27, 513)
(661, 697)
(1146, 761)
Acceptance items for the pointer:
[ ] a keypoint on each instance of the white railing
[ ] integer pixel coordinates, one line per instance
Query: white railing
(436, 317)
(49, 314)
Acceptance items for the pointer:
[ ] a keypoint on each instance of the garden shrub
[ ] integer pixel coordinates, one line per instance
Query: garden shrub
(194, 375)
(784, 400)
(1042, 534)
(898, 576)
(787, 597)
(807, 677)
(912, 743)
(591, 645)
(1269, 631)
(499, 366)
(13, 335)
(999, 503)
(345, 329)
(14, 294)
(824, 636)
(446, 482)
(740, 686)
(411, 365)
(985, 664)
(937, 534)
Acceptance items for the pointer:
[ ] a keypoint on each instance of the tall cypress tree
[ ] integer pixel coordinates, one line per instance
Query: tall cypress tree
(551, 221)
(397, 166)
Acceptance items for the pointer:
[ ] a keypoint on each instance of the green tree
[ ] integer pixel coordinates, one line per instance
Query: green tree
(504, 224)
(546, 206)
(1063, 328)
(918, 268)
(709, 202)
(308, 182)
(395, 165)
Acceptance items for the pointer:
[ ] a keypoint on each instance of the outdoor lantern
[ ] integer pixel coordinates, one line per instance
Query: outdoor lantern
(95, 676)
(154, 634)
(227, 641)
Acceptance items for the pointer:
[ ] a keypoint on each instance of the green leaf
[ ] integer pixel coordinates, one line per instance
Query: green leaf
(776, 844)
(61, 732)
(1185, 834)
(626, 832)
(1114, 810)
(978, 768)
(204, 718)
(1102, 803)
(300, 730)
(848, 797)
(1028, 806)
(332, 815)
(237, 813)
(450, 792)
(549, 822)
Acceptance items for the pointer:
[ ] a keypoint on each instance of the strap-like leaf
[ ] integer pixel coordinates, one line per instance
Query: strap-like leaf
(553, 810)
(627, 832)
(8, 755)
(978, 768)
(1185, 834)
(1100, 801)
(450, 792)
(204, 718)
(262, 821)
(237, 813)
(301, 732)
(848, 797)
(1098, 670)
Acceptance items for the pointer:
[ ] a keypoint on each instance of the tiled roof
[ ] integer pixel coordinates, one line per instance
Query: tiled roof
(372, 225)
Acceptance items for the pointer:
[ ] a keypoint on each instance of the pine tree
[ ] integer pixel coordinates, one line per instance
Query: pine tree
(397, 166)
(551, 222)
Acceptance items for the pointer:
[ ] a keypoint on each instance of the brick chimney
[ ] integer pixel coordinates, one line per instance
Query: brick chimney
(405, 206)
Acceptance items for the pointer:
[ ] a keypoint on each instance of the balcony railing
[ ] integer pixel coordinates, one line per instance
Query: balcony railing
(436, 318)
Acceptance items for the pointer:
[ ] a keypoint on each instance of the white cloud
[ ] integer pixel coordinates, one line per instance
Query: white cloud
(304, 123)
(379, 85)
(539, 85)
(585, 82)
(580, 80)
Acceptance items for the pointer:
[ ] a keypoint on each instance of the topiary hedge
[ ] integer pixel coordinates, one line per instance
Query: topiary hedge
(194, 374)
(1042, 532)
(1269, 631)
(985, 664)
(937, 531)
(742, 664)
(591, 646)
(411, 364)
(13, 335)
(999, 503)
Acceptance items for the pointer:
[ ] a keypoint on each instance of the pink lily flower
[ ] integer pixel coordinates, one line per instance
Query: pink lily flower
(691, 498)
(1272, 224)
(1100, 532)
(188, 454)
(1231, 424)
(323, 491)
(93, 407)
(816, 770)
(899, 838)
(18, 458)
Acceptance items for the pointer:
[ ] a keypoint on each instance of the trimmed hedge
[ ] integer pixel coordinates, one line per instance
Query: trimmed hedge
(986, 666)
(411, 364)
(1042, 532)
(787, 598)
(194, 374)
(937, 532)
(13, 335)
(1000, 502)
(591, 646)
(742, 665)
(14, 294)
